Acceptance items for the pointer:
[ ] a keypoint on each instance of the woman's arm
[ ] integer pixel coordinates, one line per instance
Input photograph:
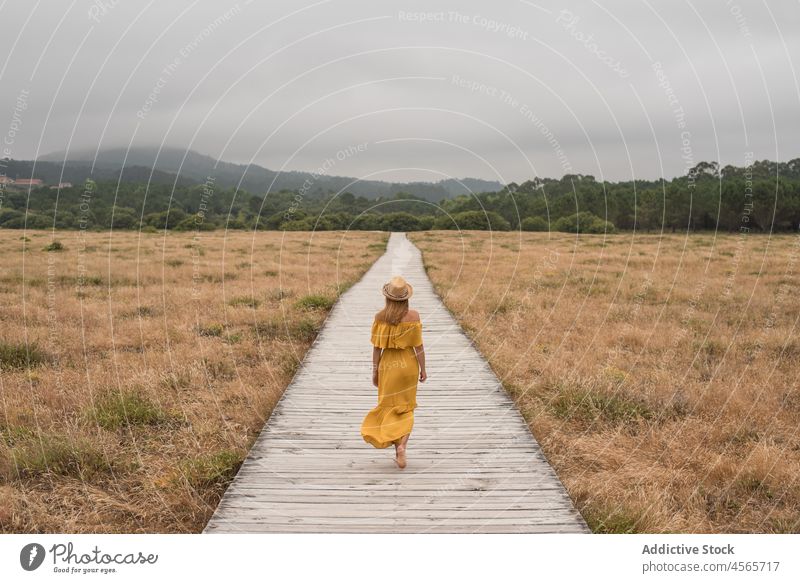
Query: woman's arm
(420, 352)
(376, 358)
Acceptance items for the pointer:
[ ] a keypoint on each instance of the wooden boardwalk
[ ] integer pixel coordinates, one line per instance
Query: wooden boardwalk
(473, 465)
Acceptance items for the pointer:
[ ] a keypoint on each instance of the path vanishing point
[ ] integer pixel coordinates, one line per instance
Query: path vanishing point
(473, 464)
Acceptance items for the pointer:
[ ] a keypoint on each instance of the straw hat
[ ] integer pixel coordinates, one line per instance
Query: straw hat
(397, 289)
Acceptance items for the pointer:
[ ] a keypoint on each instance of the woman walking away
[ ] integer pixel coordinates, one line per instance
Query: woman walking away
(398, 362)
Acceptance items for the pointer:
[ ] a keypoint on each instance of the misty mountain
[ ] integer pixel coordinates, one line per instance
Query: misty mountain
(192, 167)
(78, 172)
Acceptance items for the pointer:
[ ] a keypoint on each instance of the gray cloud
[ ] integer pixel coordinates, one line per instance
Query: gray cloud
(500, 90)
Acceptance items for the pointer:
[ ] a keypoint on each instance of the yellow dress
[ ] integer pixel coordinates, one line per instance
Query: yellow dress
(398, 374)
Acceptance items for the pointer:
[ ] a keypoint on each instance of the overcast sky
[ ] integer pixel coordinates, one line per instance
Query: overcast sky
(422, 90)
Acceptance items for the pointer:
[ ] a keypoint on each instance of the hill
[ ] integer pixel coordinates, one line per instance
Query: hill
(762, 197)
(193, 167)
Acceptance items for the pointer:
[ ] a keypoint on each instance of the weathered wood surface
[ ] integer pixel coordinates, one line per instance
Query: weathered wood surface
(473, 465)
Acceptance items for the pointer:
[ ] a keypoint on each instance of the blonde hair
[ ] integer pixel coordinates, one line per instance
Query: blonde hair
(393, 312)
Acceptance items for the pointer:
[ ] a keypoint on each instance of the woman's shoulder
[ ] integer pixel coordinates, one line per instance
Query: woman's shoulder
(411, 316)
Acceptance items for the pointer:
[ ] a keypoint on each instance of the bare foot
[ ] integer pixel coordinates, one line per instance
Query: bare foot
(400, 458)
(400, 452)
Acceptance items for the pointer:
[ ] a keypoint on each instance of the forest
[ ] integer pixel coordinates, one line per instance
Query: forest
(762, 197)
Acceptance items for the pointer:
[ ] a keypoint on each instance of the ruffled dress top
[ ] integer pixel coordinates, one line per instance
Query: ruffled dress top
(398, 374)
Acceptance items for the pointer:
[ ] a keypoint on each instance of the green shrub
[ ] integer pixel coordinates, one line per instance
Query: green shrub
(584, 222)
(194, 223)
(611, 520)
(366, 222)
(20, 356)
(290, 363)
(247, 301)
(589, 406)
(534, 224)
(314, 302)
(56, 454)
(214, 330)
(55, 246)
(13, 434)
(116, 409)
(305, 330)
(90, 280)
(165, 219)
(302, 330)
(401, 221)
(472, 220)
(209, 471)
(298, 225)
(331, 222)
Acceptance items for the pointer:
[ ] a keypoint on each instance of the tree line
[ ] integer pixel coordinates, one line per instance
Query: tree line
(762, 197)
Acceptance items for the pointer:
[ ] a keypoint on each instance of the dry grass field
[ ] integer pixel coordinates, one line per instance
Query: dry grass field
(659, 373)
(136, 370)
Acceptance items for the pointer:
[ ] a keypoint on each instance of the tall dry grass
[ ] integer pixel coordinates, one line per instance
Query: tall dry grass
(659, 373)
(137, 370)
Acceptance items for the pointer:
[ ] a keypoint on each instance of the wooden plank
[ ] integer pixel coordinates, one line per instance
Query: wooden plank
(428, 527)
(473, 465)
(392, 504)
